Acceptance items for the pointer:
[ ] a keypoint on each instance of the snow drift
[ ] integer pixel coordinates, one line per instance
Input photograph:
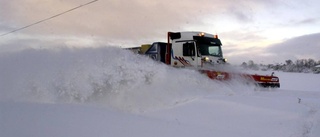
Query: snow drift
(79, 92)
(107, 76)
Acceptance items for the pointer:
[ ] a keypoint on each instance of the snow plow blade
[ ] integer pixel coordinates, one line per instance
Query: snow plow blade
(264, 81)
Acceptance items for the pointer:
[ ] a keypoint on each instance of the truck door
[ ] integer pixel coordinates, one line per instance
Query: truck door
(189, 50)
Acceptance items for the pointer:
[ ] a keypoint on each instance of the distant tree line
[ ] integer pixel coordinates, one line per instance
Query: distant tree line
(300, 65)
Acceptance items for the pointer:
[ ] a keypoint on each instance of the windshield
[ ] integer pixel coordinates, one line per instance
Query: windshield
(212, 50)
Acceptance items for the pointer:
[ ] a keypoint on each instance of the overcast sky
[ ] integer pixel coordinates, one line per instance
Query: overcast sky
(265, 31)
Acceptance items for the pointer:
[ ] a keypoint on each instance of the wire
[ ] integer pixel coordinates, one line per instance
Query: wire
(38, 22)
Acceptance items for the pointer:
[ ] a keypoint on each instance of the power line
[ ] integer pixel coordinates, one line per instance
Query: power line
(38, 22)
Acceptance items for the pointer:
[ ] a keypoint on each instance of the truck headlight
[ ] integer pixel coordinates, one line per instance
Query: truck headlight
(225, 60)
(206, 59)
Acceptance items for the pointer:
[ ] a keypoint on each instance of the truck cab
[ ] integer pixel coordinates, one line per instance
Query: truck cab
(188, 49)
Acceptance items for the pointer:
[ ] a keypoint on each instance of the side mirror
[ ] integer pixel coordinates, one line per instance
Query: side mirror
(175, 35)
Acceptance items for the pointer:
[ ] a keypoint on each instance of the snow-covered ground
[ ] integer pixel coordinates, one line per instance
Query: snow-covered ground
(110, 92)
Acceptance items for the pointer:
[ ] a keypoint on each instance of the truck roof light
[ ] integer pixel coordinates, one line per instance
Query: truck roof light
(201, 34)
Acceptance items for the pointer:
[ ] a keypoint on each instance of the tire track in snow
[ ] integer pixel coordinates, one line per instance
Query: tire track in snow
(312, 120)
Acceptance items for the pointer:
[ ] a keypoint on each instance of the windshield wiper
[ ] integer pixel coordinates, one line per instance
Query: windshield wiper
(215, 55)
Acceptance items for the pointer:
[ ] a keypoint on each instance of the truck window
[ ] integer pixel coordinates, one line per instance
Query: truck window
(152, 49)
(206, 49)
(215, 51)
(188, 49)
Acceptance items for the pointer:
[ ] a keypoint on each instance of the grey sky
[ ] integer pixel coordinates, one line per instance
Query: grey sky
(249, 29)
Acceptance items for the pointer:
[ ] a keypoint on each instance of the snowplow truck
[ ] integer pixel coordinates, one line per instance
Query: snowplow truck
(203, 52)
